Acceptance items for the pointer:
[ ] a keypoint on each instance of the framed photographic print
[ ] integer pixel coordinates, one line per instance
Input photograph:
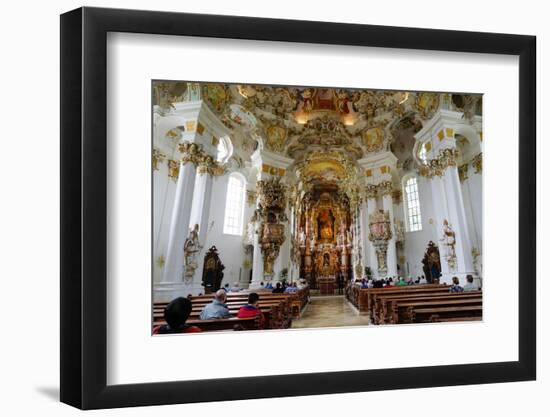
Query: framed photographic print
(259, 208)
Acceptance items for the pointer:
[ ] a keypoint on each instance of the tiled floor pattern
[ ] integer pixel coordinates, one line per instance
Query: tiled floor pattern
(331, 311)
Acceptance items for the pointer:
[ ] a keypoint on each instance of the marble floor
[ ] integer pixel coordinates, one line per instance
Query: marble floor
(330, 311)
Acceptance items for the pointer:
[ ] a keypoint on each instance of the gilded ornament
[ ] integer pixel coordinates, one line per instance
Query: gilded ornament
(158, 156)
(463, 172)
(373, 139)
(371, 191)
(161, 261)
(173, 170)
(437, 166)
(477, 163)
(379, 226)
(385, 188)
(276, 136)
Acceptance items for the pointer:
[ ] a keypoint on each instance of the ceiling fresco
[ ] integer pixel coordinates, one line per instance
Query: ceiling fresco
(324, 130)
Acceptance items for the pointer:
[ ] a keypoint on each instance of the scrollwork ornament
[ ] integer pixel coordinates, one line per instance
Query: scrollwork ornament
(191, 152)
(477, 163)
(447, 158)
(463, 172)
(158, 156)
(371, 191)
(385, 188)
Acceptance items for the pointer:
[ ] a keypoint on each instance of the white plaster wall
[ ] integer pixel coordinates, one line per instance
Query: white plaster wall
(473, 203)
(230, 247)
(416, 242)
(164, 189)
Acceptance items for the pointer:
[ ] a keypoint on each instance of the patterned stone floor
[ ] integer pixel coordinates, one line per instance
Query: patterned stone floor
(331, 311)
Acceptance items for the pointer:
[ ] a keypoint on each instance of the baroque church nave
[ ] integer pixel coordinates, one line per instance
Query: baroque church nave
(257, 184)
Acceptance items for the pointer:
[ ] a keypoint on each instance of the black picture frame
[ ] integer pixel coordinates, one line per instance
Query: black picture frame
(84, 207)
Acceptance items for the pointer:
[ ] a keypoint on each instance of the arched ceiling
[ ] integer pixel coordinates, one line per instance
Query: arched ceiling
(296, 121)
(324, 130)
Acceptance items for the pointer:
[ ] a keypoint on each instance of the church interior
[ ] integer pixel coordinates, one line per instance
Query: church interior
(338, 194)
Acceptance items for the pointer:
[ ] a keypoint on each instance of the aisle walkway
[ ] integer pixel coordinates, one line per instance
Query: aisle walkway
(332, 311)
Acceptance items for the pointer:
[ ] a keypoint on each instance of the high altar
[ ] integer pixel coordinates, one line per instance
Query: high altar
(325, 238)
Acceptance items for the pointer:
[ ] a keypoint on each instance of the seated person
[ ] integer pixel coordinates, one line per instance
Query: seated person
(269, 286)
(176, 314)
(251, 309)
(470, 284)
(226, 287)
(217, 308)
(235, 287)
(423, 280)
(389, 283)
(378, 284)
(291, 289)
(364, 284)
(278, 289)
(456, 287)
(401, 282)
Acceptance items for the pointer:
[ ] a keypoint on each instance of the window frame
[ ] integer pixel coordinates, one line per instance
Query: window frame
(416, 226)
(229, 195)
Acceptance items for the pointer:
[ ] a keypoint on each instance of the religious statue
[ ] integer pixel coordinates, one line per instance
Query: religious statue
(431, 264)
(449, 241)
(302, 237)
(212, 273)
(190, 249)
(325, 224)
(326, 260)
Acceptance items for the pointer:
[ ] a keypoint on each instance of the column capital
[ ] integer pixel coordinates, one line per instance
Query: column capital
(371, 191)
(437, 166)
(385, 188)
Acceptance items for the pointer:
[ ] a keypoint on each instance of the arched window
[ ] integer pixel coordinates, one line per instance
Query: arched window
(234, 205)
(412, 205)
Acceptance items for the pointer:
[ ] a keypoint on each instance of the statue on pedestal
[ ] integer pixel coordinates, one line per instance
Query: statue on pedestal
(449, 241)
(190, 249)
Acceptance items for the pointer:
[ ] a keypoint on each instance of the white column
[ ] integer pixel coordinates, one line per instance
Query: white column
(364, 221)
(459, 224)
(439, 201)
(257, 259)
(179, 225)
(283, 260)
(373, 261)
(391, 259)
(200, 213)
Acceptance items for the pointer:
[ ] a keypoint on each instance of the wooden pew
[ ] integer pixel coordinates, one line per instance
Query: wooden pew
(366, 295)
(385, 304)
(416, 311)
(272, 312)
(439, 314)
(276, 308)
(234, 323)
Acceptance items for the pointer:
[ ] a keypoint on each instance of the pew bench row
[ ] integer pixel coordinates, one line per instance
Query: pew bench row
(277, 309)
(416, 304)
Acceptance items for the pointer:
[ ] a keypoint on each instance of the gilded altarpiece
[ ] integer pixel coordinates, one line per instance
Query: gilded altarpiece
(326, 236)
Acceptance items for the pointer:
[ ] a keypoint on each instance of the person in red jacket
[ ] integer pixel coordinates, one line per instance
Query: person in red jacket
(251, 309)
(176, 314)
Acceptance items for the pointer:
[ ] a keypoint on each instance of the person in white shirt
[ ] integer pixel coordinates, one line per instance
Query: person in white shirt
(470, 284)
